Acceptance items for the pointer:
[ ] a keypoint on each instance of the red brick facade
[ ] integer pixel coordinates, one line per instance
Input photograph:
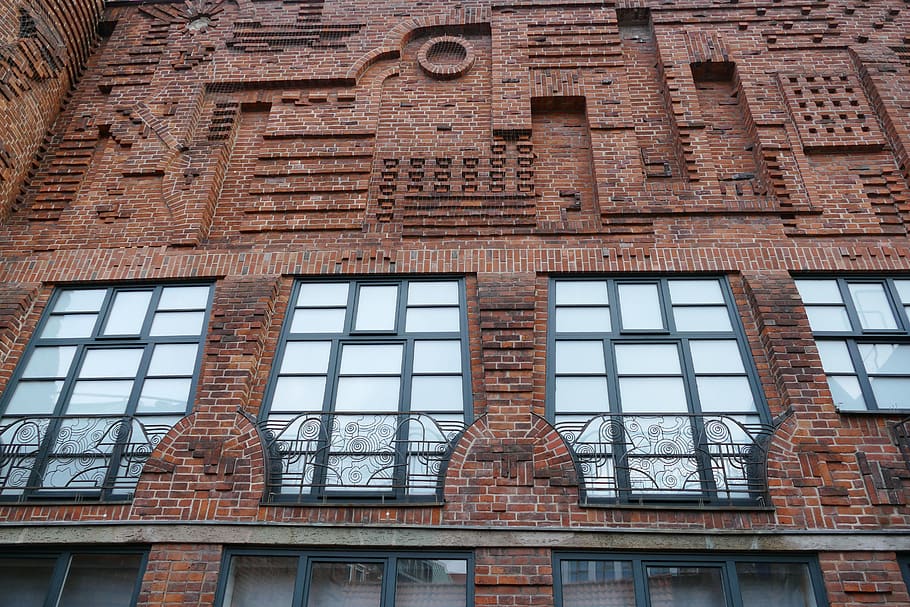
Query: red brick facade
(251, 143)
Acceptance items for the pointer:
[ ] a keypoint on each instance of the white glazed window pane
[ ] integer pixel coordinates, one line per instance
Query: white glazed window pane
(122, 362)
(306, 357)
(652, 395)
(99, 397)
(69, 326)
(640, 307)
(437, 357)
(707, 318)
(846, 393)
(315, 320)
(376, 308)
(725, 394)
(580, 357)
(432, 320)
(835, 357)
(828, 319)
(891, 359)
(164, 396)
(127, 313)
(695, 292)
(183, 298)
(647, 359)
(177, 323)
(49, 362)
(173, 359)
(582, 395)
(581, 292)
(371, 359)
(433, 293)
(323, 295)
(819, 291)
(367, 394)
(437, 393)
(903, 290)
(891, 392)
(88, 300)
(583, 320)
(298, 394)
(872, 306)
(34, 397)
(716, 356)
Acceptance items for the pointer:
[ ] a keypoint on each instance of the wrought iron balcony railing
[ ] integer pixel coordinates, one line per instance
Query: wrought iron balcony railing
(684, 458)
(901, 431)
(96, 457)
(358, 456)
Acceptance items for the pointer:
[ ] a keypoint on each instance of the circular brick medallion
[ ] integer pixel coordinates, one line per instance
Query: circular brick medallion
(446, 57)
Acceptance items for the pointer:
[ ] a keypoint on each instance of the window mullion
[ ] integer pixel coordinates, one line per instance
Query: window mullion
(865, 384)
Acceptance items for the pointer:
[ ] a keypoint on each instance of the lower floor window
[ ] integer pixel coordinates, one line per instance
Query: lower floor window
(643, 581)
(288, 579)
(71, 579)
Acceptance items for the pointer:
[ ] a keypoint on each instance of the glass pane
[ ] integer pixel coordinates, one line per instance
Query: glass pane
(686, 587)
(891, 359)
(437, 357)
(640, 307)
(872, 306)
(371, 359)
(716, 356)
(177, 323)
(34, 397)
(433, 293)
(254, 581)
(652, 394)
(49, 362)
(581, 292)
(330, 294)
(846, 393)
(647, 359)
(99, 397)
(318, 321)
(376, 308)
(101, 580)
(835, 357)
(306, 357)
(69, 325)
(127, 313)
(819, 291)
(345, 585)
(583, 320)
(580, 357)
(429, 393)
(164, 396)
(298, 394)
(367, 394)
(183, 298)
(173, 359)
(432, 320)
(123, 362)
(714, 318)
(25, 581)
(828, 319)
(695, 292)
(903, 290)
(891, 392)
(582, 395)
(778, 584)
(725, 394)
(431, 583)
(86, 300)
(597, 584)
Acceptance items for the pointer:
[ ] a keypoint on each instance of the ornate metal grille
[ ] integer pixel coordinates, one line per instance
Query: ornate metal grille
(95, 457)
(677, 457)
(398, 456)
(901, 432)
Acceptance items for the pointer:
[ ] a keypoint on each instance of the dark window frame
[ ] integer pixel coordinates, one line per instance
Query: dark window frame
(726, 562)
(319, 491)
(120, 424)
(306, 558)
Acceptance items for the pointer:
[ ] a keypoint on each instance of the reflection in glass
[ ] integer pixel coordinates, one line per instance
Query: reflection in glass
(49, 362)
(69, 326)
(345, 585)
(254, 581)
(846, 392)
(828, 318)
(431, 583)
(25, 581)
(81, 300)
(101, 580)
(872, 305)
(597, 584)
(34, 397)
(164, 396)
(778, 584)
(891, 392)
(835, 356)
(686, 587)
(99, 397)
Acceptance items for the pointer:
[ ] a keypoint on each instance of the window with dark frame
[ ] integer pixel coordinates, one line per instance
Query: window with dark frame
(369, 390)
(72, 577)
(651, 384)
(862, 329)
(109, 371)
(313, 579)
(637, 580)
